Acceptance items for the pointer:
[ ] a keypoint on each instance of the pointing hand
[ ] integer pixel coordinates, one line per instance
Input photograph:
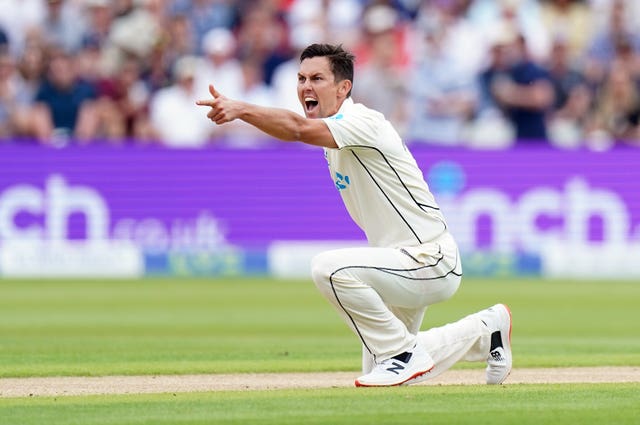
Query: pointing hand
(223, 109)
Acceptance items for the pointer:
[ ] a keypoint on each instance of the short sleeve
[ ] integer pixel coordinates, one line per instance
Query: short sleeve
(355, 129)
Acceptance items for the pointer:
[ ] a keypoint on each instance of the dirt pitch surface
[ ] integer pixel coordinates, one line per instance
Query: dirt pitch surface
(76, 386)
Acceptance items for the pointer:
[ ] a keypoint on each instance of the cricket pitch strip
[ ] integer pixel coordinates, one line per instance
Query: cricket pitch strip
(150, 384)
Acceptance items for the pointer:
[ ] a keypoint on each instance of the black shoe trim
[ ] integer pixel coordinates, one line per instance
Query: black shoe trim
(496, 340)
(403, 357)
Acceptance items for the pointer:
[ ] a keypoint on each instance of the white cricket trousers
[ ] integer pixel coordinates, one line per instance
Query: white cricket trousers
(383, 293)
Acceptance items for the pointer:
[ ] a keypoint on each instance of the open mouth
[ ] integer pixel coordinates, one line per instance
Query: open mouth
(310, 104)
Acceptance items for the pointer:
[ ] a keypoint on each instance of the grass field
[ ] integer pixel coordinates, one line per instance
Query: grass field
(522, 405)
(167, 326)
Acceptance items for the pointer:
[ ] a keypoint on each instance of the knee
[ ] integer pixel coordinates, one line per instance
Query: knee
(329, 273)
(322, 268)
(319, 269)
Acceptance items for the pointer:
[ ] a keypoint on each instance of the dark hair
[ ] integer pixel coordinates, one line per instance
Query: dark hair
(341, 61)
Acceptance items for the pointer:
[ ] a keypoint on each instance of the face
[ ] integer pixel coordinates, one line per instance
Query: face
(320, 95)
(62, 72)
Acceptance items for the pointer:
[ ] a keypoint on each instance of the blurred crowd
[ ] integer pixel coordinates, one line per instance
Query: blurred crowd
(477, 73)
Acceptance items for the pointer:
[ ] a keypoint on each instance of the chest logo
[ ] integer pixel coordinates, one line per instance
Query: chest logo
(342, 182)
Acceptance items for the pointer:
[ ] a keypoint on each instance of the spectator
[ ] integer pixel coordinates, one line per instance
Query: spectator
(32, 66)
(99, 19)
(254, 90)
(88, 62)
(339, 18)
(601, 13)
(525, 15)
(262, 35)
(573, 97)
(19, 19)
(175, 41)
(462, 39)
(603, 48)
(443, 94)
(179, 37)
(219, 64)
(382, 75)
(616, 117)
(173, 111)
(158, 68)
(569, 20)
(64, 25)
(524, 93)
(4, 40)
(122, 106)
(384, 20)
(14, 98)
(63, 103)
(205, 15)
(135, 30)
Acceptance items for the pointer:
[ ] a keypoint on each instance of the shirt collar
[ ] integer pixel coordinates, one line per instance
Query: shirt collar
(346, 105)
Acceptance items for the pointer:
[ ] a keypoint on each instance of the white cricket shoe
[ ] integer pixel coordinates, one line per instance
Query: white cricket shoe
(398, 369)
(500, 359)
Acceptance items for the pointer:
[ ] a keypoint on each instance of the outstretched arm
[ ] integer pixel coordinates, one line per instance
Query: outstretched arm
(279, 123)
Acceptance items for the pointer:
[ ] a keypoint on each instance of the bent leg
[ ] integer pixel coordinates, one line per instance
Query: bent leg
(467, 339)
(367, 285)
(412, 318)
(482, 336)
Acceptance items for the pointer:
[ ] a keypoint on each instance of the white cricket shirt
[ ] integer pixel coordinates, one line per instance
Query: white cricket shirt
(379, 180)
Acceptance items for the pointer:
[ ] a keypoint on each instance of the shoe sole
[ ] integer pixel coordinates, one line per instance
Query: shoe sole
(414, 376)
(507, 345)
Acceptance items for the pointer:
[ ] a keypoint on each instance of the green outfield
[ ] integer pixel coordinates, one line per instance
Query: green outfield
(172, 326)
(522, 405)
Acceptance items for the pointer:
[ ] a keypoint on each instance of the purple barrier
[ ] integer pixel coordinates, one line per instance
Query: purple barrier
(516, 200)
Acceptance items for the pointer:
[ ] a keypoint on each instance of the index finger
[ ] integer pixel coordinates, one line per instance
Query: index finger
(205, 102)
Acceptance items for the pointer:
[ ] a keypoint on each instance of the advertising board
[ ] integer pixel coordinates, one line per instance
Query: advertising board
(217, 211)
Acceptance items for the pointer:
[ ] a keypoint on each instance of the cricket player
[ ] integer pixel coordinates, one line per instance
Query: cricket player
(381, 291)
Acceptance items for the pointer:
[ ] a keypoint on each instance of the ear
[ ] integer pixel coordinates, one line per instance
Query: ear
(344, 87)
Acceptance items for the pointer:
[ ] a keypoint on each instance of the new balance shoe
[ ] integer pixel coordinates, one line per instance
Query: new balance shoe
(500, 359)
(398, 369)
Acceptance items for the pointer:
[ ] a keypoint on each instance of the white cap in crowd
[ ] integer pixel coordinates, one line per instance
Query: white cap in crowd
(219, 41)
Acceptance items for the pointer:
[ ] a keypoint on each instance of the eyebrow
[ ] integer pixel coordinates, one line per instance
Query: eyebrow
(313, 74)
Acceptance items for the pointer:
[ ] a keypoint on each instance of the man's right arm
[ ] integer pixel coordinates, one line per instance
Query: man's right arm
(279, 123)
